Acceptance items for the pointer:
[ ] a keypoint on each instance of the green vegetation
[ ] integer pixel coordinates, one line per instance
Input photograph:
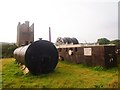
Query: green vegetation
(103, 41)
(66, 75)
(116, 42)
(7, 50)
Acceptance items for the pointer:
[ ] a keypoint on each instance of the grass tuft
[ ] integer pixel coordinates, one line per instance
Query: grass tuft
(99, 68)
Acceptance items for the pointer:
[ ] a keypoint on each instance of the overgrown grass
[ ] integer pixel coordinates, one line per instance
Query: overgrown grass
(66, 75)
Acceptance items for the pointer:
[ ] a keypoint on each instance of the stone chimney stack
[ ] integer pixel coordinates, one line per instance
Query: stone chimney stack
(49, 34)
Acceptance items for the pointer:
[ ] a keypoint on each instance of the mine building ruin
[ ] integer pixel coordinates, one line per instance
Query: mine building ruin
(25, 33)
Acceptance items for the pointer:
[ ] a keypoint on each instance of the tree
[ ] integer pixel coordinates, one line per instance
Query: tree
(103, 41)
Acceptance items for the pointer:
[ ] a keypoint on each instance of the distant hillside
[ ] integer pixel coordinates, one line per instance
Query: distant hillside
(7, 49)
(6, 43)
(116, 42)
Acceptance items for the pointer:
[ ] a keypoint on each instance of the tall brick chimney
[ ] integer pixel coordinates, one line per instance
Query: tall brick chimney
(49, 34)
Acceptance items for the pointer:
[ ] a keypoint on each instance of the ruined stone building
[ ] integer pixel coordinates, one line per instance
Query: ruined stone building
(25, 33)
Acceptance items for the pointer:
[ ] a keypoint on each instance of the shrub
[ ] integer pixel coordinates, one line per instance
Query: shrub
(7, 50)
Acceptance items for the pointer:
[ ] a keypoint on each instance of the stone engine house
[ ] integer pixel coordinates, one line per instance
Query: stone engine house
(25, 33)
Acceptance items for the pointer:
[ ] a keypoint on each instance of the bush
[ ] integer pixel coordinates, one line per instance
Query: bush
(8, 49)
(103, 41)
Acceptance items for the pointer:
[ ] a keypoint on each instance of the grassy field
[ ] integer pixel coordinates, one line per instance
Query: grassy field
(66, 75)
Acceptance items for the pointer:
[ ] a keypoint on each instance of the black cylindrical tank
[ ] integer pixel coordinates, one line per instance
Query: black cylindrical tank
(75, 41)
(39, 57)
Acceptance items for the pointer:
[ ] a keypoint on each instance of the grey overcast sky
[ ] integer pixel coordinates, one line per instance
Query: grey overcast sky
(87, 20)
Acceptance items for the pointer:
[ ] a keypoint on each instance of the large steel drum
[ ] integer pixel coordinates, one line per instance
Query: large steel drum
(39, 57)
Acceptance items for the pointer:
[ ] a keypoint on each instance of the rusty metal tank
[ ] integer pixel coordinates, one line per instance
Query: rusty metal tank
(39, 57)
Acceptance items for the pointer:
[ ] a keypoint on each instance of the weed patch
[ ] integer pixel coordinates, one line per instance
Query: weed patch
(99, 68)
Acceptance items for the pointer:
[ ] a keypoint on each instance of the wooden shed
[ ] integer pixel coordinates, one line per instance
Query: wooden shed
(94, 55)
